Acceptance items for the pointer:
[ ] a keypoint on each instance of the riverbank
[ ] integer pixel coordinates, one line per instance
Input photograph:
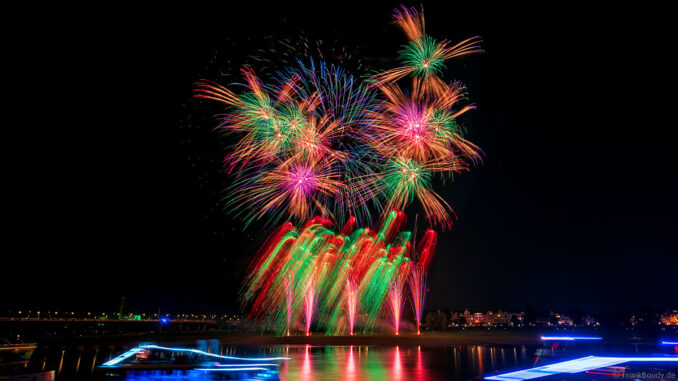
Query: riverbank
(436, 338)
(427, 339)
(446, 338)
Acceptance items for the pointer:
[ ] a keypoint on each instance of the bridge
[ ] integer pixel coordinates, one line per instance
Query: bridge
(74, 326)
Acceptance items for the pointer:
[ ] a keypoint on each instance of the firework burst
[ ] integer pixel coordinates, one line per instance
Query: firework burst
(421, 138)
(421, 127)
(296, 152)
(423, 56)
(316, 141)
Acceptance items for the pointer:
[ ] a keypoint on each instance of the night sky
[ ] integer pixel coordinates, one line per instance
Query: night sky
(114, 182)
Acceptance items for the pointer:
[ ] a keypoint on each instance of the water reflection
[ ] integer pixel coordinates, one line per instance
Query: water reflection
(350, 367)
(397, 365)
(306, 367)
(394, 363)
(324, 363)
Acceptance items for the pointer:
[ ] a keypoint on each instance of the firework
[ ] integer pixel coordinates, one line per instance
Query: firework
(351, 304)
(395, 304)
(297, 187)
(417, 285)
(313, 140)
(421, 127)
(288, 303)
(317, 141)
(404, 179)
(419, 136)
(423, 56)
(312, 274)
(309, 306)
(416, 132)
(426, 248)
(296, 152)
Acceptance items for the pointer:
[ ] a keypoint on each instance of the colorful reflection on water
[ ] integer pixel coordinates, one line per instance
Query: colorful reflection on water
(308, 362)
(325, 363)
(396, 363)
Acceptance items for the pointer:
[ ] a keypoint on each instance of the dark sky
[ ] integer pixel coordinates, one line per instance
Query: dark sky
(113, 177)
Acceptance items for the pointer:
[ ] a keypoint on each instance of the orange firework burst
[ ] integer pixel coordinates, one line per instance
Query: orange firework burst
(297, 186)
(419, 134)
(423, 56)
(421, 127)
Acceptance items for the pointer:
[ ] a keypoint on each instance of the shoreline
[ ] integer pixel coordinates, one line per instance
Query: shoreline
(426, 339)
(445, 338)
(429, 338)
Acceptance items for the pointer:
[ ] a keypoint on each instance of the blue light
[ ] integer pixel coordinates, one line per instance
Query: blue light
(669, 342)
(138, 349)
(122, 357)
(575, 366)
(570, 338)
(164, 320)
(214, 355)
(236, 365)
(230, 370)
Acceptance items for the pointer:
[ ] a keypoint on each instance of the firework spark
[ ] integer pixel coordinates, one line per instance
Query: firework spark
(423, 56)
(332, 278)
(297, 151)
(417, 284)
(351, 304)
(395, 304)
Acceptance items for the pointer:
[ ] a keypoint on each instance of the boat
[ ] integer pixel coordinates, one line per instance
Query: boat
(150, 361)
(14, 360)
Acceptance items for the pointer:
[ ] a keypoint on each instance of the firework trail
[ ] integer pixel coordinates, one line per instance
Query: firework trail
(289, 295)
(351, 305)
(417, 284)
(417, 278)
(309, 307)
(332, 278)
(395, 304)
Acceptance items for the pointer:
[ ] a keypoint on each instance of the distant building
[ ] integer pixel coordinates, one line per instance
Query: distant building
(489, 319)
(588, 320)
(563, 320)
(669, 318)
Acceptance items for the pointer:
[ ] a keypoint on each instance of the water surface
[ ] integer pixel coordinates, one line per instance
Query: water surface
(332, 362)
(308, 362)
